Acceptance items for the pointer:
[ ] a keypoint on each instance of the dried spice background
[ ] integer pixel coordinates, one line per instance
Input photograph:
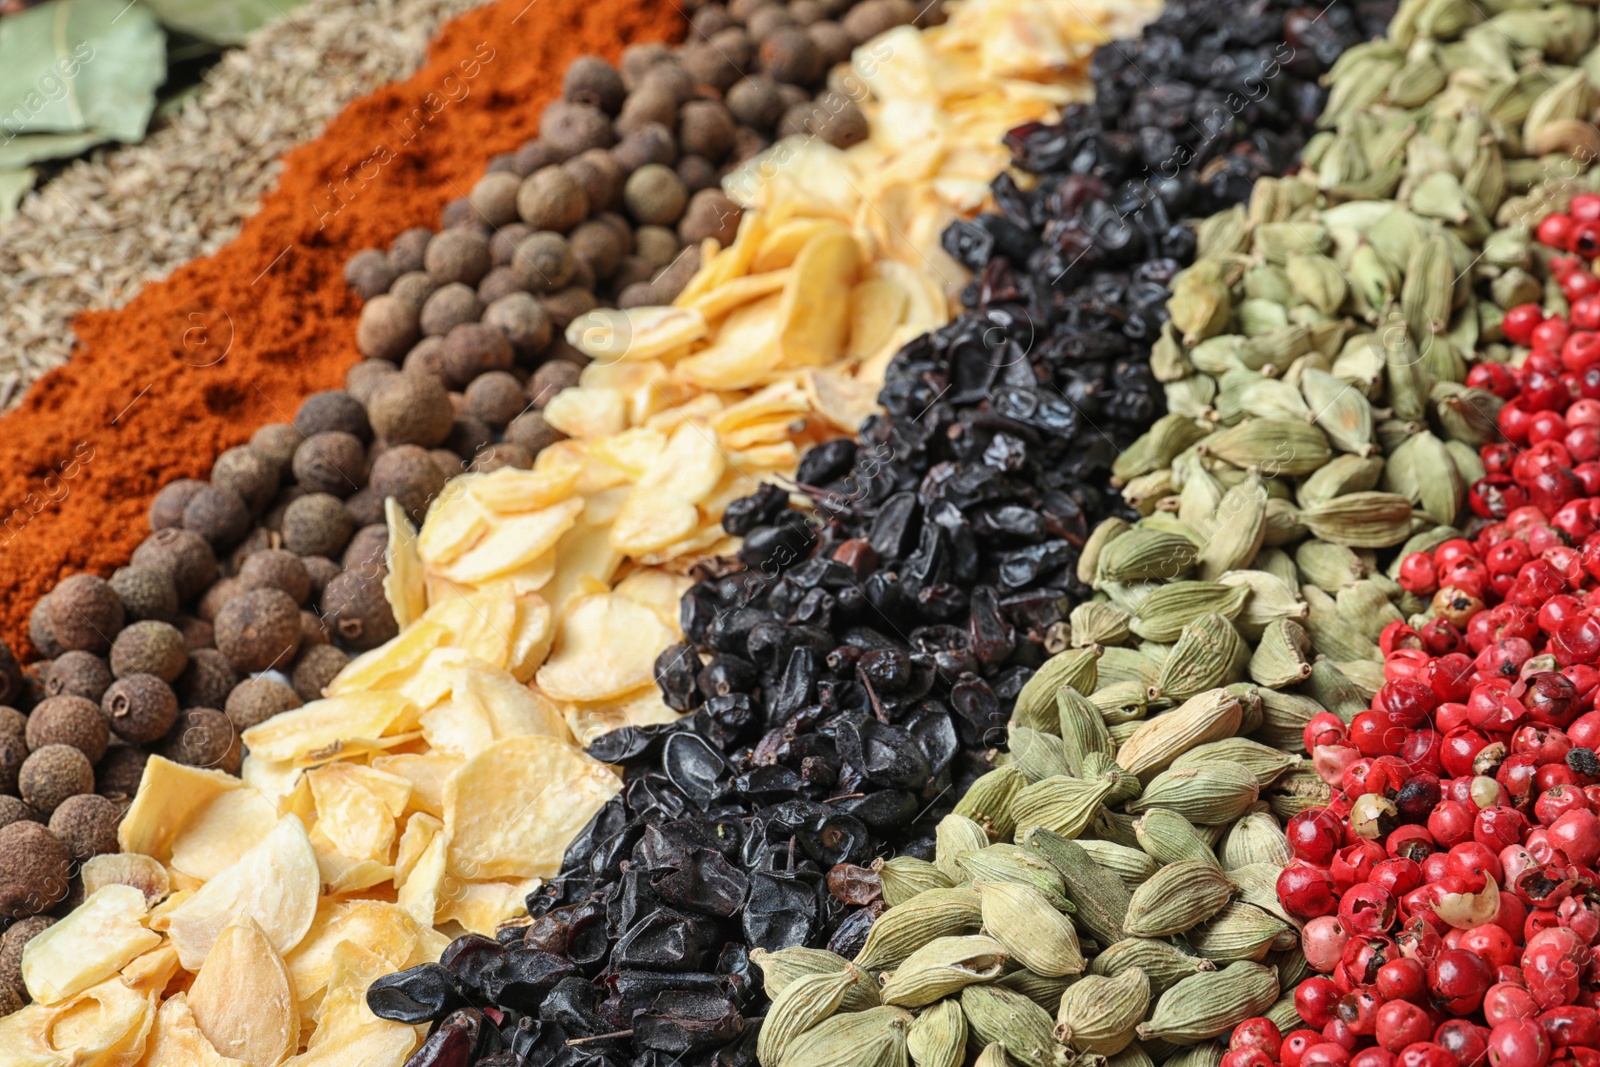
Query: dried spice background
(224, 344)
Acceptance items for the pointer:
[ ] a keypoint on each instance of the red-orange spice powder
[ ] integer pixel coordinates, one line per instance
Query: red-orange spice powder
(196, 362)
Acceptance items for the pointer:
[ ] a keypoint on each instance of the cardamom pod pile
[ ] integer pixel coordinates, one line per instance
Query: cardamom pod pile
(1085, 897)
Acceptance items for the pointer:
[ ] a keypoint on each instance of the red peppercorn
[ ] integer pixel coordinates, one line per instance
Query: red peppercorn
(1554, 231)
(1519, 1042)
(1458, 980)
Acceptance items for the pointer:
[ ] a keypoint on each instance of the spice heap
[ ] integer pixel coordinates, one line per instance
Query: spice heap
(1448, 882)
(819, 736)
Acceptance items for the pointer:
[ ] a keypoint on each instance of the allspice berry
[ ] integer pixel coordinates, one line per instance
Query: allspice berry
(413, 289)
(276, 442)
(598, 244)
(185, 557)
(833, 41)
(707, 66)
(145, 593)
(314, 669)
(545, 261)
(710, 214)
(570, 128)
(408, 473)
(197, 632)
(273, 568)
(204, 737)
(523, 321)
(697, 173)
(312, 631)
(494, 197)
(255, 700)
(387, 327)
(548, 380)
(496, 398)
(332, 409)
(35, 869)
(866, 20)
(458, 256)
(790, 55)
(12, 943)
(250, 474)
(591, 80)
(474, 348)
(259, 629)
(52, 774)
(85, 613)
(550, 200)
(354, 606)
(214, 599)
(502, 281)
(332, 462)
(448, 307)
(150, 647)
(317, 524)
(140, 708)
(531, 431)
(366, 549)
(651, 142)
(13, 747)
(87, 825)
(705, 129)
(838, 121)
(657, 245)
(218, 515)
(78, 674)
(39, 630)
(117, 776)
(69, 720)
(600, 175)
(532, 156)
(425, 358)
(639, 59)
(208, 679)
(370, 273)
(166, 509)
(361, 379)
(411, 410)
(14, 809)
(767, 20)
(755, 101)
(645, 106)
(498, 456)
(568, 304)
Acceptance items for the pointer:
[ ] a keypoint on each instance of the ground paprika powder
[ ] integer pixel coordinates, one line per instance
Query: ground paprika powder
(197, 361)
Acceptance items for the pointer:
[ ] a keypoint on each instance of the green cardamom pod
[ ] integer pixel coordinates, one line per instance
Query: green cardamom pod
(1239, 932)
(995, 1013)
(1205, 1006)
(1037, 755)
(1061, 804)
(938, 1037)
(1209, 653)
(1263, 761)
(1099, 1014)
(1099, 537)
(1036, 704)
(1083, 730)
(1169, 838)
(1208, 795)
(1131, 865)
(942, 967)
(1163, 964)
(1256, 838)
(1281, 655)
(1033, 932)
(1045, 992)
(904, 877)
(957, 835)
(801, 1005)
(872, 1038)
(903, 929)
(1099, 899)
(1208, 716)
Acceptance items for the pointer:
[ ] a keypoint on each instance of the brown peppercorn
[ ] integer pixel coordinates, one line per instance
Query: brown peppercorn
(259, 629)
(69, 720)
(866, 20)
(697, 173)
(276, 442)
(833, 41)
(497, 456)
(837, 120)
(365, 553)
(426, 358)
(317, 525)
(532, 156)
(14, 809)
(87, 825)
(166, 508)
(53, 773)
(333, 462)
(78, 674)
(548, 380)
(494, 197)
(474, 348)
(85, 613)
(545, 260)
(208, 678)
(591, 80)
(707, 66)
(140, 708)
(274, 568)
(598, 174)
(531, 431)
(369, 272)
(650, 142)
(149, 647)
(204, 737)
(218, 515)
(414, 288)
(550, 200)
(570, 128)
(638, 59)
(448, 307)
(117, 776)
(496, 398)
(35, 869)
(755, 101)
(213, 599)
(183, 556)
(710, 214)
(408, 473)
(254, 477)
(387, 327)
(355, 608)
(500, 282)
(458, 256)
(407, 250)
(361, 379)
(255, 700)
(411, 409)
(314, 669)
